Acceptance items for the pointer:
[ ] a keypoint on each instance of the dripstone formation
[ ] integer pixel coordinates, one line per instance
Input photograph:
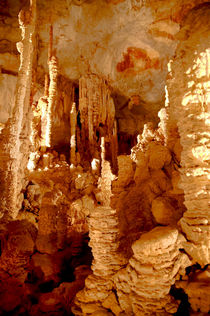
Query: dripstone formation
(104, 157)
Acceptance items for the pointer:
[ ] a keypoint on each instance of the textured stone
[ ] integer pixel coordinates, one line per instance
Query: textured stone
(17, 245)
(82, 100)
(48, 266)
(163, 211)
(14, 139)
(197, 290)
(11, 294)
(158, 156)
(125, 170)
(192, 100)
(152, 270)
(7, 96)
(108, 44)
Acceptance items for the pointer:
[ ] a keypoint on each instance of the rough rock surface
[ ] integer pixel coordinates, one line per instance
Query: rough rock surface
(191, 99)
(197, 288)
(14, 139)
(104, 235)
(104, 201)
(108, 236)
(17, 245)
(144, 285)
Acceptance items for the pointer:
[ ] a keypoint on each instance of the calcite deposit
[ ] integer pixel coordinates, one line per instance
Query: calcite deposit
(104, 157)
(155, 265)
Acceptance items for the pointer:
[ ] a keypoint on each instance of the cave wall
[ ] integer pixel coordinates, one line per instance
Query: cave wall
(9, 56)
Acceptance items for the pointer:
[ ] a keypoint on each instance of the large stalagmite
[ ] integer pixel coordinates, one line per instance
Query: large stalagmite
(14, 142)
(191, 98)
(143, 287)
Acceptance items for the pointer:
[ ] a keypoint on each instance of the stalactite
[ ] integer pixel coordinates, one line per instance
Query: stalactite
(78, 142)
(46, 85)
(103, 109)
(73, 121)
(90, 105)
(15, 139)
(50, 48)
(114, 146)
(110, 113)
(97, 112)
(83, 107)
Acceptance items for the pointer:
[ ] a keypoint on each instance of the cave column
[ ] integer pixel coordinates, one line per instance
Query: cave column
(189, 98)
(52, 98)
(14, 141)
(73, 121)
(104, 241)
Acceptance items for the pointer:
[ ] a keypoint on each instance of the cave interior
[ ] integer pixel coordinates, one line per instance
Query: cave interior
(104, 157)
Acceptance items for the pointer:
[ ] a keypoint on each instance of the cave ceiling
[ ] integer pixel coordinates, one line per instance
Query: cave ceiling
(126, 43)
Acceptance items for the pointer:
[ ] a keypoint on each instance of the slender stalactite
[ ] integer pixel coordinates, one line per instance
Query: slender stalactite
(50, 48)
(97, 112)
(14, 142)
(83, 107)
(46, 85)
(114, 146)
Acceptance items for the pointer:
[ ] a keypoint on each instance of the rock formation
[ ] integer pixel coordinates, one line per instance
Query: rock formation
(15, 136)
(104, 157)
(193, 128)
(143, 287)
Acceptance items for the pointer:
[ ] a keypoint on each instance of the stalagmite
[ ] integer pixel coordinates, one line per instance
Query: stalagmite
(190, 108)
(103, 232)
(73, 121)
(105, 181)
(143, 288)
(14, 141)
(103, 229)
(35, 137)
(53, 73)
(44, 108)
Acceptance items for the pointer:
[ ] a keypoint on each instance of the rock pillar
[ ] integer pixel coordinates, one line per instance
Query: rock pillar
(189, 97)
(14, 141)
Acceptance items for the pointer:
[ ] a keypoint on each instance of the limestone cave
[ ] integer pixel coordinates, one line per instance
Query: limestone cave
(104, 157)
